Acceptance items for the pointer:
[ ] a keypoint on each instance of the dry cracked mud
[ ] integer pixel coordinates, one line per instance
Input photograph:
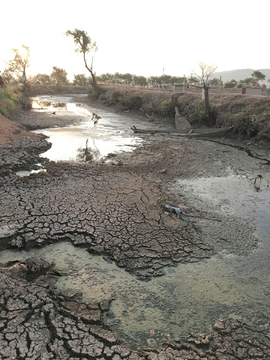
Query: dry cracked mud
(115, 210)
(37, 324)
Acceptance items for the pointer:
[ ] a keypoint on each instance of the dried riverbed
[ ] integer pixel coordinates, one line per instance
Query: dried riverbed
(105, 226)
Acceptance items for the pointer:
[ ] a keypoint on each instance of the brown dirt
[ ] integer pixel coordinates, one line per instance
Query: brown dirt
(11, 131)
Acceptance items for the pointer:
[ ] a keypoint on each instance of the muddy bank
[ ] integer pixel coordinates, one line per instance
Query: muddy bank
(116, 210)
(249, 114)
(36, 90)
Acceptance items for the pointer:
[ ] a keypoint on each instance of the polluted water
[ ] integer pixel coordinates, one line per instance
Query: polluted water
(109, 133)
(188, 298)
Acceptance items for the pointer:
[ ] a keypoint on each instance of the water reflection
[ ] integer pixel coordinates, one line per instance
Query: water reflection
(88, 154)
(41, 104)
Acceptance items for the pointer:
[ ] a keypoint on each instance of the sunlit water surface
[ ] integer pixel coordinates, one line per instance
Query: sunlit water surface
(110, 134)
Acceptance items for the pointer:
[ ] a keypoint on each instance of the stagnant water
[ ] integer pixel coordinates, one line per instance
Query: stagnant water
(110, 134)
(189, 297)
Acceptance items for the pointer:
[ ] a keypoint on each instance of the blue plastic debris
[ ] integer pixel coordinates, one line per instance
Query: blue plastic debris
(173, 209)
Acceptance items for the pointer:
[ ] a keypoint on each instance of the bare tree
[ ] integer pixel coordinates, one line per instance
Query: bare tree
(205, 71)
(85, 45)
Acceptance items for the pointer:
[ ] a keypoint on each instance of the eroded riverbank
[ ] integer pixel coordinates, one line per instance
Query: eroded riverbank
(206, 266)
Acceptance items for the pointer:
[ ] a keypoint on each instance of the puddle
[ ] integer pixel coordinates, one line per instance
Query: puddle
(110, 134)
(188, 298)
(23, 173)
(234, 194)
(68, 142)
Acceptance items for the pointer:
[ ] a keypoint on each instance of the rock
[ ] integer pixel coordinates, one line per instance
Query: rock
(7, 230)
(152, 343)
(36, 264)
(219, 325)
(104, 305)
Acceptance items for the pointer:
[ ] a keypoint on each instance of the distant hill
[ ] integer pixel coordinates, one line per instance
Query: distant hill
(240, 74)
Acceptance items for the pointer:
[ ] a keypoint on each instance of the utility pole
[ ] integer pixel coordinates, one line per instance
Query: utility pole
(184, 83)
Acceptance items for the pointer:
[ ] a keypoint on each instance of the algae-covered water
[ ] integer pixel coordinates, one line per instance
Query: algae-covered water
(188, 298)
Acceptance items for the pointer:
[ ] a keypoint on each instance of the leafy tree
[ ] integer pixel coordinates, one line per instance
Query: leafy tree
(85, 45)
(139, 80)
(231, 84)
(80, 80)
(176, 80)
(257, 76)
(41, 79)
(126, 78)
(106, 77)
(18, 65)
(193, 79)
(247, 81)
(59, 76)
(168, 79)
(117, 78)
(215, 81)
(156, 80)
(165, 79)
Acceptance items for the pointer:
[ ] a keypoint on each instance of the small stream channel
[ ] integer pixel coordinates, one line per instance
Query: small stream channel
(111, 133)
(189, 298)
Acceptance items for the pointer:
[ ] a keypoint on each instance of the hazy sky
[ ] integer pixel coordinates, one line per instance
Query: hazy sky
(138, 36)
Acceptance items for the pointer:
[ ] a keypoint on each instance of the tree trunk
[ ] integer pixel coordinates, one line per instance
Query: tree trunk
(24, 77)
(91, 72)
(206, 96)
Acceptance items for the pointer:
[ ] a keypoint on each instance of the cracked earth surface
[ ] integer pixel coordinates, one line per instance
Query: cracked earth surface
(116, 211)
(37, 324)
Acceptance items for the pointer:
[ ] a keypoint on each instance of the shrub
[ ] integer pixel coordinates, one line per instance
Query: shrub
(8, 101)
(94, 93)
(102, 96)
(231, 84)
(167, 108)
(116, 97)
(202, 117)
(246, 127)
(132, 102)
